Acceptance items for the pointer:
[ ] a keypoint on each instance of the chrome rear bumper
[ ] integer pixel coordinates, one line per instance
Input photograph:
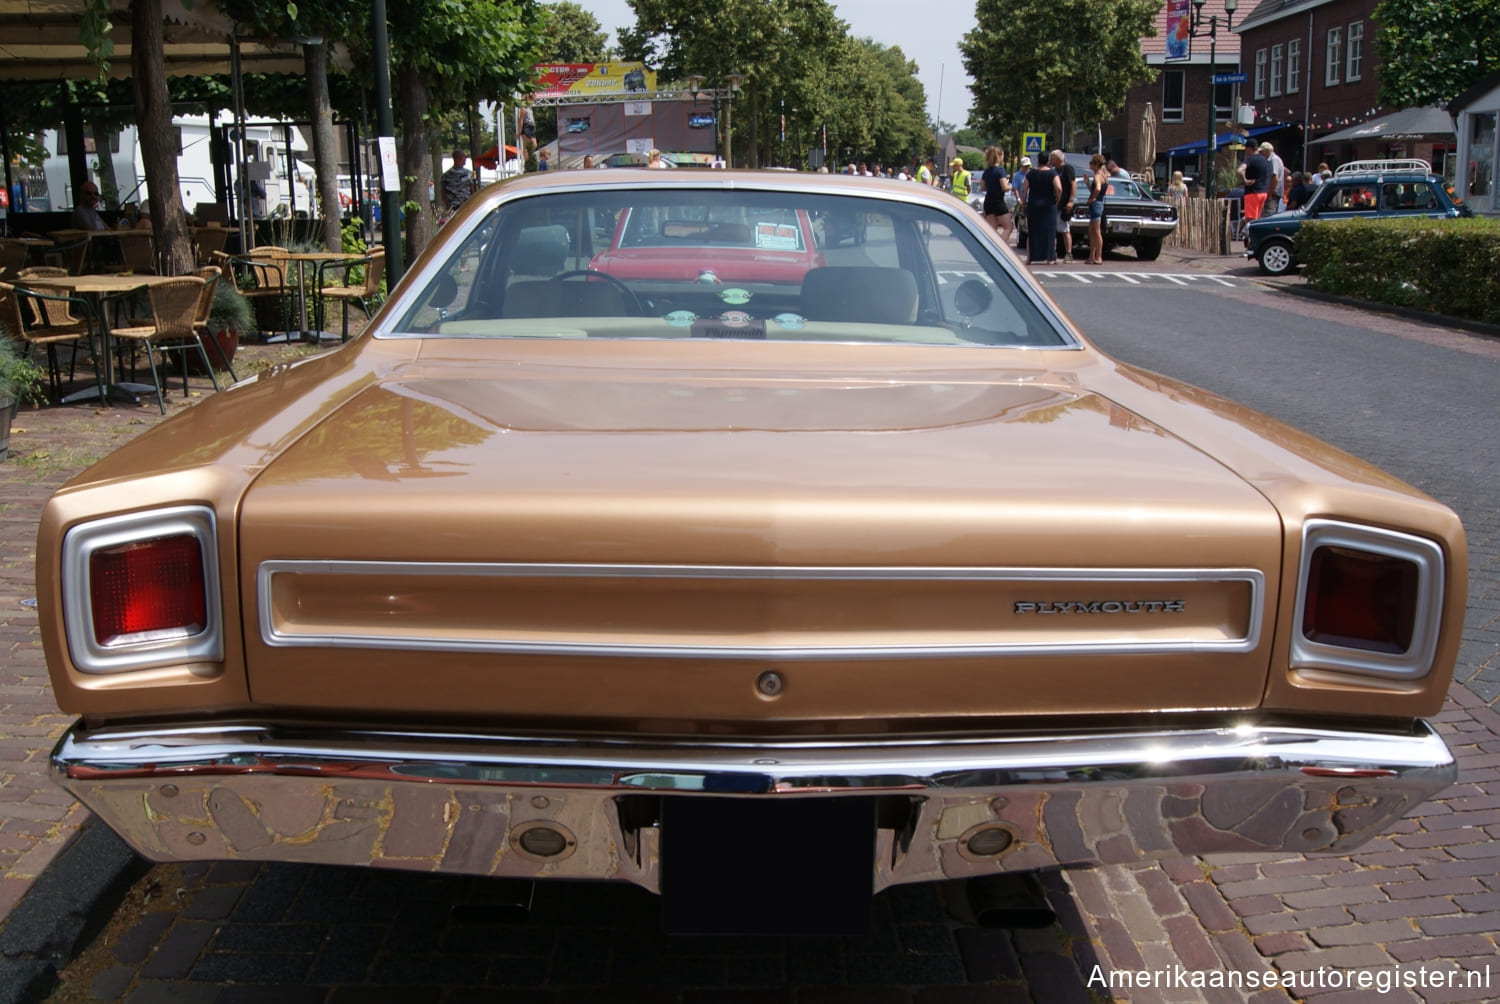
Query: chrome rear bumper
(465, 803)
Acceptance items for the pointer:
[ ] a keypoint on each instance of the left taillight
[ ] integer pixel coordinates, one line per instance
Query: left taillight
(142, 590)
(1369, 601)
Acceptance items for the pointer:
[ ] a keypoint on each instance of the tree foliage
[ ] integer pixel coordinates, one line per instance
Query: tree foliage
(779, 46)
(876, 106)
(1050, 64)
(572, 35)
(1431, 51)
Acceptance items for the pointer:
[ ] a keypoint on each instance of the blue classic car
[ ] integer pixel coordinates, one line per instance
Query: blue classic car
(1362, 189)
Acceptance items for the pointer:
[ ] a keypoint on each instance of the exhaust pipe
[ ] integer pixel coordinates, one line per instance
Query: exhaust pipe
(1014, 900)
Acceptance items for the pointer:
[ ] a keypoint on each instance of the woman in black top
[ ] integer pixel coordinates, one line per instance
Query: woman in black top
(1098, 186)
(995, 184)
(1042, 193)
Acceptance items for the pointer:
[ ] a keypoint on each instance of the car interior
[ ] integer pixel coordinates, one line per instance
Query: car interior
(664, 262)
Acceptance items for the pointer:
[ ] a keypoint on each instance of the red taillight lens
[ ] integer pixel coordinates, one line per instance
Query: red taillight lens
(1356, 599)
(152, 589)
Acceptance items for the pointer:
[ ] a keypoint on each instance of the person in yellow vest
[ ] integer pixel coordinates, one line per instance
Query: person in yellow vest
(925, 172)
(960, 185)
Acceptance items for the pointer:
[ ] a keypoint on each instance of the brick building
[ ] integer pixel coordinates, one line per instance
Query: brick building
(1179, 96)
(1310, 71)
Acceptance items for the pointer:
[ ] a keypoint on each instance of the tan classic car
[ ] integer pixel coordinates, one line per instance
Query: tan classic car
(762, 591)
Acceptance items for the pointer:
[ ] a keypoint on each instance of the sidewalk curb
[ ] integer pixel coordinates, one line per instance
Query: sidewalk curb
(63, 911)
(1411, 314)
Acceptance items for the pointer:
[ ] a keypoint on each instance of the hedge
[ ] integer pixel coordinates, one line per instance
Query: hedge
(1448, 267)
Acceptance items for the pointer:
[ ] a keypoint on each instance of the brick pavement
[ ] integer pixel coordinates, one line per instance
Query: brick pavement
(1422, 898)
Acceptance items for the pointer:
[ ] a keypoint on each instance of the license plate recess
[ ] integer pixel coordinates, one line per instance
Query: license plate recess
(792, 866)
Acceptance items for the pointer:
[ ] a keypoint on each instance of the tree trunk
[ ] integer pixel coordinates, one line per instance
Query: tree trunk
(315, 59)
(416, 161)
(754, 160)
(109, 185)
(153, 111)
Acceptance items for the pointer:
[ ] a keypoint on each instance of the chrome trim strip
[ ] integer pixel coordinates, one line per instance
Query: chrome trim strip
(451, 802)
(271, 636)
(1427, 555)
(79, 545)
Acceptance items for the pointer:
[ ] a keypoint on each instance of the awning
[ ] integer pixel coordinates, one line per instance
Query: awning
(1220, 141)
(490, 157)
(1408, 123)
(39, 41)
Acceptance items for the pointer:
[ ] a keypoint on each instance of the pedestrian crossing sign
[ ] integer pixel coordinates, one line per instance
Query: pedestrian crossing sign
(1033, 143)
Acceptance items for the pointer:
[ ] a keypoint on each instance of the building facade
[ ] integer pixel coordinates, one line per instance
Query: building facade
(1178, 99)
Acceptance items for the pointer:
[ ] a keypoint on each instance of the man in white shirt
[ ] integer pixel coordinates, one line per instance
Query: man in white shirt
(1277, 189)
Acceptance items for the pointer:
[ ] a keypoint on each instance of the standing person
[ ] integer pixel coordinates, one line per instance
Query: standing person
(588, 160)
(1277, 181)
(960, 186)
(994, 183)
(458, 182)
(543, 160)
(1042, 193)
(1256, 173)
(925, 174)
(1018, 185)
(1321, 175)
(1098, 188)
(1068, 178)
(1178, 188)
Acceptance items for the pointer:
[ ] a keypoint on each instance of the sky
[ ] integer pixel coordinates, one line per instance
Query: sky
(926, 30)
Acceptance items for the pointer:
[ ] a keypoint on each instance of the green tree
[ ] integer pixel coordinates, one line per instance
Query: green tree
(779, 46)
(447, 55)
(1431, 51)
(571, 34)
(1049, 64)
(877, 105)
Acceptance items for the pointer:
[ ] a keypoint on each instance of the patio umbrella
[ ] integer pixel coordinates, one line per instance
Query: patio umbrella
(1148, 139)
(1408, 123)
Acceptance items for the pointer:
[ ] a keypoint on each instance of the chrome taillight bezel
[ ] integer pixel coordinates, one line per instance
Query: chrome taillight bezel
(79, 545)
(1426, 555)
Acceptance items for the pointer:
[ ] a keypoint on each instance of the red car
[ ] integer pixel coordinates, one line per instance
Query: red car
(728, 244)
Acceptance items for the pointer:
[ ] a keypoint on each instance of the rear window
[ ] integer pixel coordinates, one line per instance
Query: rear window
(783, 266)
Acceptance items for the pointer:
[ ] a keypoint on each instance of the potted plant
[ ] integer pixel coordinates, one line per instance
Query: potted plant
(230, 317)
(20, 380)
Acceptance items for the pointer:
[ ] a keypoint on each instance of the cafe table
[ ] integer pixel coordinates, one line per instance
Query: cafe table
(98, 288)
(302, 258)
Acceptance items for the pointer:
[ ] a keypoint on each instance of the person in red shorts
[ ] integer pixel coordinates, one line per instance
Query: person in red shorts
(1256, 171)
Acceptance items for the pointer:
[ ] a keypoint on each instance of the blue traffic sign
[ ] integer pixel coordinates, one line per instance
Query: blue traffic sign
(1229, 78)
(1033, 143)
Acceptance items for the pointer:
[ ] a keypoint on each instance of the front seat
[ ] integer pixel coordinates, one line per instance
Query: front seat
(860, 294)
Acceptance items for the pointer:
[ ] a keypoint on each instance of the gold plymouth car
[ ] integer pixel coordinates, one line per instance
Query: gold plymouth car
(761, 588)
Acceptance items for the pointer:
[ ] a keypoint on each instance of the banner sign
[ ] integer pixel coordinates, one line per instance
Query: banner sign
(594, 79)
(1179, 30)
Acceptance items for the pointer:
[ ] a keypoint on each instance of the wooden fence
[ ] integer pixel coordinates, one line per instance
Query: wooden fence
(1205, 224)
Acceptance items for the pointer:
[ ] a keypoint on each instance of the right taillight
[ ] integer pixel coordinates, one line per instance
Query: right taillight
(1369, 601)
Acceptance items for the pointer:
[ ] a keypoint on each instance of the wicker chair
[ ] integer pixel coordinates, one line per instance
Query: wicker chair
(263, 276)
(174, 312)
(22, 315)
(363, 295)
(210, 277)
(70, 256)
(211, 241)
(12, 258)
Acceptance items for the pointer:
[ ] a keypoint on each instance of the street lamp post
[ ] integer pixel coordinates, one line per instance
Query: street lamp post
(1196, 29)
(722, 139)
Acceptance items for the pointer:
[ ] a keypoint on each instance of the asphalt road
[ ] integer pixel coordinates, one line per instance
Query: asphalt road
(1408, 396)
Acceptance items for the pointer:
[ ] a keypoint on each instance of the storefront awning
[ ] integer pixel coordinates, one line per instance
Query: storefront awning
(1220, 141)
